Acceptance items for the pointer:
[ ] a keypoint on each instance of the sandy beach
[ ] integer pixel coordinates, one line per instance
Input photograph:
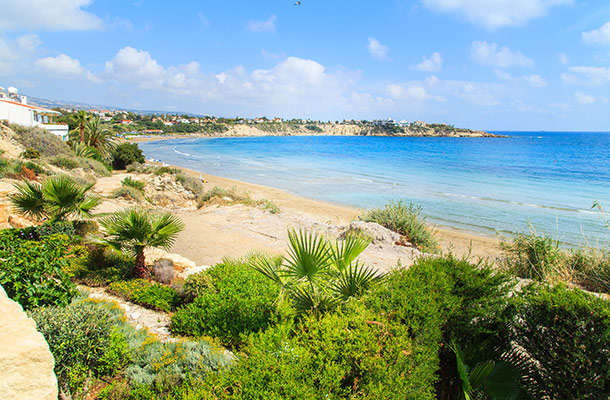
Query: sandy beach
(234, 230)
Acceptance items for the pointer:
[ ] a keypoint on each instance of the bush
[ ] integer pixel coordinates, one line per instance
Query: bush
(191, 184)
(163, 271)
(30, 153)
(358, 354)
(404, 219)
(590, 269)
(125, 154)
(166, 170)
(147, 294)
(135, 167)
(196, 284)
(238, 301)
(65, 162)
(442, 300)
(41, 140)
(103, 266)
(534, 257)
(34, 167)
(96, 166)
(47, 229)
(566, 335)
(134, 183)
(34, 273)
(82, 337)
(128, 193)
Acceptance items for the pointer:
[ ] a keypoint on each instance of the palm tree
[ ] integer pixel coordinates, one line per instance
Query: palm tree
(133, 230)
(318, 275)
(58, 198)
(98, 136)
(80, 118)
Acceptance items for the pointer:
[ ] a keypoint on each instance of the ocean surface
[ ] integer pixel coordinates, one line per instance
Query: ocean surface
(548, 180)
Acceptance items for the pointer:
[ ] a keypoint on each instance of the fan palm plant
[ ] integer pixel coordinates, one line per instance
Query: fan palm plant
(99, 137)
(317, 275)
(133, 230)
(82, 150)
(79, 119)
(57, 198)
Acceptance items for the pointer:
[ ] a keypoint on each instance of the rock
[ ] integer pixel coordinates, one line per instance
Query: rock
(166, 191)
(380, 234)
(190, 271)
(180, 263)
(135, 315)
(26, 363)
(18, 222)
(3, 213)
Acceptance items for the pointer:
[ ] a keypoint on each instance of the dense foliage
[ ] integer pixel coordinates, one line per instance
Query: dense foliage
(33, 272)
(125, 154)
(148, 294)
(234, 300)
(566, 335)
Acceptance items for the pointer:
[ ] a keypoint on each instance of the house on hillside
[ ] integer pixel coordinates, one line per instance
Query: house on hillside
(16, 110)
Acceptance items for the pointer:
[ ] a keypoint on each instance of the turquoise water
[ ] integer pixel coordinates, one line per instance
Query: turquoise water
(484, 185)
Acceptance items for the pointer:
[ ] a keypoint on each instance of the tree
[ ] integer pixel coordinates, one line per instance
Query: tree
(80, 118)
(98, 136)
(125, 154)
(133, 230)
(317, 275)
(57, 199)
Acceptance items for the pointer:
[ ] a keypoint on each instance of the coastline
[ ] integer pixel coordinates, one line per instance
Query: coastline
(458, 242)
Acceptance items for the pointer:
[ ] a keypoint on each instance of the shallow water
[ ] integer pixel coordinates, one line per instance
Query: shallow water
(485, 185)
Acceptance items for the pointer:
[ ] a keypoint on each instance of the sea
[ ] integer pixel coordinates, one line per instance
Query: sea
(547, 182)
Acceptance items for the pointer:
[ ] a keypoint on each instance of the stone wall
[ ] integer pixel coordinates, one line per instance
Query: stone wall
(26, 363)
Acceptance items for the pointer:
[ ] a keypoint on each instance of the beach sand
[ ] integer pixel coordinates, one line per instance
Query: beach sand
(234, 230)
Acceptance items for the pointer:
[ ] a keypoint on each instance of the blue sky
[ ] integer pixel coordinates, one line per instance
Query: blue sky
(485, 64)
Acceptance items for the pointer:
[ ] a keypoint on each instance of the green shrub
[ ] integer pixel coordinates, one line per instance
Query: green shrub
(41, 140)
(84, 227)
(566, 333)
(102, 266)
(533, 257)
(238, 300)
(134, 183)
(135, 167)
(442, 300)
(166, 170)
(65, 162)
(30, 153)
(37, 232)
(196, 284)
(314, 128)
(147, 294)
(33, 273)
(128, 193)
(191, 184)
(125, 154)
(590, 268)
(34, 167)
(82, 337)
(358, 354)
(404, 219)
(96, 166)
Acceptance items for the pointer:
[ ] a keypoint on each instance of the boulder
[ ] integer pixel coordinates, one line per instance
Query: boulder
(180, 263)
(26, 363)
(166, 191)
(18, 221)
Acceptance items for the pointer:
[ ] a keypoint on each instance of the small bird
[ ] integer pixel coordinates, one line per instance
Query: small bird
(298, 3)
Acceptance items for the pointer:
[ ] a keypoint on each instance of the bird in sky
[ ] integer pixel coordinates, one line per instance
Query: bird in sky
(298, 3)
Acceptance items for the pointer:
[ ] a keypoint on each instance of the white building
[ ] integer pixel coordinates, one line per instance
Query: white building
(17, 111)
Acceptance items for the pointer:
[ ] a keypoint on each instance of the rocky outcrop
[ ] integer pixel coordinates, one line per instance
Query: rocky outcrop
(26, 363)
(166, 191)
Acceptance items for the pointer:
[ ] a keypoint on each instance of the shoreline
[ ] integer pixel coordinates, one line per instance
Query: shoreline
(459, 242)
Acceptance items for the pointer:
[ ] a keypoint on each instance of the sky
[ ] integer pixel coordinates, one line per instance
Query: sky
(479, 64)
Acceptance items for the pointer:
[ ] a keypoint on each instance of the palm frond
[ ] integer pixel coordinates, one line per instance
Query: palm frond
(354, 280)
(63, 196)
(82, 149)
(29, 200)
(267, 266)
(166, 228)
(311, 300)
(308, 256)
(346, 251)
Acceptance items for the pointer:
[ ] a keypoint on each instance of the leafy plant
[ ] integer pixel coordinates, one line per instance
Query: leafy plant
(30, 153)
(125, 154)
(534, 257)
(147, 294)
(34, 273)
(135, 229)
(128, 193)
(65, 162)
(230, 300)
(565, 334)
(406, 220)
(134, 183)
(41, 140)
(317, 275)
(58, 198)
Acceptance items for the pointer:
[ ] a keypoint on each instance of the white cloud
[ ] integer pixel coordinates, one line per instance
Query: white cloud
(536, 81)
(590, 76)
(495, 13)
(563, 58)
(136, 65)
(493, 55)
(431, 64)
(53, 15)
(582, 98)
(377, 50)
(13, 52)
(64, 66)
(598, 36)
(412, 92)
(262, 26)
